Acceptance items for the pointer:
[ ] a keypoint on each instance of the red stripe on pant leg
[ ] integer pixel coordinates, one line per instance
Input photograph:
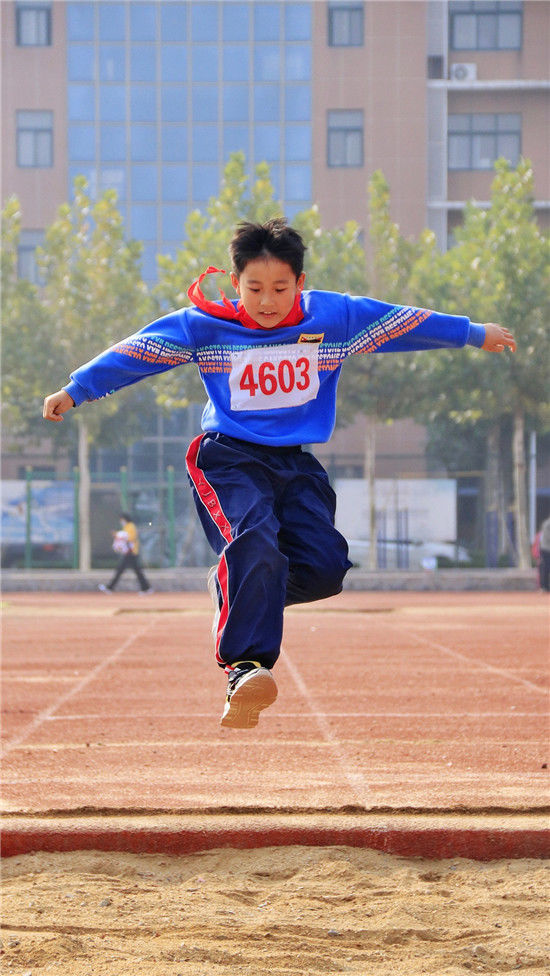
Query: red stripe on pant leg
(211, 502)
(205, 491)
(223, 580)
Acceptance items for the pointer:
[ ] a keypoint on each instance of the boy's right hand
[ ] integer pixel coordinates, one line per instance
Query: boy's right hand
(56, 404)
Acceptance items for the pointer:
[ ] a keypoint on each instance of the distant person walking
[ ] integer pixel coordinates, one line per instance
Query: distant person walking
(544, 563)
(126, 544)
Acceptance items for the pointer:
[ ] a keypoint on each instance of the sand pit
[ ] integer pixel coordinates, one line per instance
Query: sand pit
(296, 911)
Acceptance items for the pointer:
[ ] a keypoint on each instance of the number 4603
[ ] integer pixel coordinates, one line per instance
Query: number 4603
(270, 378)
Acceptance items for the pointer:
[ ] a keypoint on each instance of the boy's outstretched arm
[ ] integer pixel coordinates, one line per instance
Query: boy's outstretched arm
(56, 404)
(497, 338)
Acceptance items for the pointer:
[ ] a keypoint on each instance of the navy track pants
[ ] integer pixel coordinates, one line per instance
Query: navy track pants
(269, 515)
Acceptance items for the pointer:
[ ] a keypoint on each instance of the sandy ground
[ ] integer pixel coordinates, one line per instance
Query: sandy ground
(296, 911)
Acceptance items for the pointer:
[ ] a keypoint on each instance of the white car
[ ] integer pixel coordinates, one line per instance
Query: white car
(408, 554)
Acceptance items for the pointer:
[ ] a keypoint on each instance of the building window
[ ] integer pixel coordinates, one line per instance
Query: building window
(484, 26)
(476, 141)
(27, 265)
(33, 24)
(345, 138)
(35, 139)
(345, 24)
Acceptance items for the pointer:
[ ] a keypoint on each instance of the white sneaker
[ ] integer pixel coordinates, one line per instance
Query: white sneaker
(250, 689)
(104, 589)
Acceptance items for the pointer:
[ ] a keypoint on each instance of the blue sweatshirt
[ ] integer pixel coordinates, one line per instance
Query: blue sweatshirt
(271, 386)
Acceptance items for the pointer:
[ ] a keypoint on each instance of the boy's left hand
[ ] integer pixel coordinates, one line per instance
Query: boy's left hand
(497, 338)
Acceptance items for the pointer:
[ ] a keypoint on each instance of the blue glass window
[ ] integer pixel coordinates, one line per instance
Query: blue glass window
(267, 21)
(112, 22)
(81, 62)
(81, 142)
(297, 22)
(143, 21)
(204, 21)
(275, 179)
(174, 183)
(112, 63)
(235, 103)
(112, 143)
(173, 21)
(298, 63)
(80, 22)
(206, 182)
(205, 103)
(143, 142)
(174, 143)
(174, 63)
(298, 103)
(144, 182)
(112, 102)
(266, 103)
(143, 62)
(205, 63)
(149, 263)
(143, 103)
(267, 62)
(174, 104)
(112, 178)
(144, 221)
(235, 22)
(236, 62)
(297, 182)
(267, 143)
(298, 142)
(173, 222)
(205, 143)
(291, 209)
(235, 139)
(81, 103)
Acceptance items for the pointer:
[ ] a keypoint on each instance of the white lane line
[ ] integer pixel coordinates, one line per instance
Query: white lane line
(48, 713)
(479, 665)
(356, 781)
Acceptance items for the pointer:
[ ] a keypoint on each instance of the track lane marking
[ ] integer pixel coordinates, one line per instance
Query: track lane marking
(49, 712)
(356, 781)
(477, 665)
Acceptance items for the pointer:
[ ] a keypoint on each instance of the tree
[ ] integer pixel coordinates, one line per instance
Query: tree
(498, 271)
(379, 386)
(94, 294)
(25, 359)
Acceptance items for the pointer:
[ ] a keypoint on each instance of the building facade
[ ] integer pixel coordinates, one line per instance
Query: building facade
(151, 96)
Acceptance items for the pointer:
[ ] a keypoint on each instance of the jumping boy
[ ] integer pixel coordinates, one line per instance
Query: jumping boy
(270, 364)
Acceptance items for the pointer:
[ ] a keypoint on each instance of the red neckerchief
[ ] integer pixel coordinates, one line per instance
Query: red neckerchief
(226, 310)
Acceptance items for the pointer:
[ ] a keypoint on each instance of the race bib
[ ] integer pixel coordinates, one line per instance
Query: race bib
(270, 377)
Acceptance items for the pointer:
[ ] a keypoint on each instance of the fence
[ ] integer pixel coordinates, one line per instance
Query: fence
(40, 520)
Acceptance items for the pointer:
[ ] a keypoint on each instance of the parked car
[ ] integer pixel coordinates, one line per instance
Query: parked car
(409, 554)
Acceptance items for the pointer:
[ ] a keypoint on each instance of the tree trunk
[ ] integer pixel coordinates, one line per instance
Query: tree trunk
(523, 555)
(370, 456)
(85, 548)
(492, 472)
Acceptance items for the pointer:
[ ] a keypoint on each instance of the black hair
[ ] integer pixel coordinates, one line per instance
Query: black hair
(273, 239)
(126, 516)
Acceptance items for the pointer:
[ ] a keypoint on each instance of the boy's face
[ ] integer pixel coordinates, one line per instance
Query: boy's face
(267, 288)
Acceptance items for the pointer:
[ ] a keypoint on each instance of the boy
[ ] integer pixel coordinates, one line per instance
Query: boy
(270, 364)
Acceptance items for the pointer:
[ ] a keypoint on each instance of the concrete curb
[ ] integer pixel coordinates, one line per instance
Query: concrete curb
(191, 579)
(476, 837)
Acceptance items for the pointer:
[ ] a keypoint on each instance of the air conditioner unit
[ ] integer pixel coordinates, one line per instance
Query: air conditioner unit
(463, 72)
